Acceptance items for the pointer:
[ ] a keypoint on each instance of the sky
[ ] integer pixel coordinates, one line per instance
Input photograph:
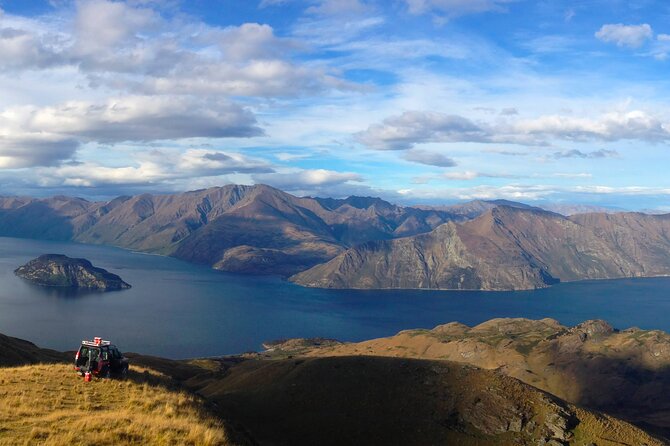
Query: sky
(415, 101)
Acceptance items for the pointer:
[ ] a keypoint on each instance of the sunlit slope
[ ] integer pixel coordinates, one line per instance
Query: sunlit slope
(48, 404)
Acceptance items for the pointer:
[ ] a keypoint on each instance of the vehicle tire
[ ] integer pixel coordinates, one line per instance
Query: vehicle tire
(124, 373)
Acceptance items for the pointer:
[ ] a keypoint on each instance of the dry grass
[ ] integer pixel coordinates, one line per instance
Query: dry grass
(52, 405)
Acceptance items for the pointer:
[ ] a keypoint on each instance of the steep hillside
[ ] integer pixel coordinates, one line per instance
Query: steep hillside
(624, 373)
(506, 248)
(14, 352)
(391, 401)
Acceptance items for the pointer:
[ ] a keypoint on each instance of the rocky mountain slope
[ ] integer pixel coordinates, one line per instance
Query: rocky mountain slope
(358, 242)
(624, 373)
(284, 400)
(251, 229)
(57, 270)
(506, 248)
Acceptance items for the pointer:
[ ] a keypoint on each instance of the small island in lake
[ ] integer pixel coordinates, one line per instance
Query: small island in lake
(57, 270)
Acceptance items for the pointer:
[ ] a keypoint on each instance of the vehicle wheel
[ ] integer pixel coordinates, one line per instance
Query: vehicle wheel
(124, 373)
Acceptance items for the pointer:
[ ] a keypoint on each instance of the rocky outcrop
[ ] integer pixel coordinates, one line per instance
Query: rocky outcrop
(55, 270)
(506, 248)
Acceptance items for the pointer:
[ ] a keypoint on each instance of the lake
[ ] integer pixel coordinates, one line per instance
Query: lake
(179, 310)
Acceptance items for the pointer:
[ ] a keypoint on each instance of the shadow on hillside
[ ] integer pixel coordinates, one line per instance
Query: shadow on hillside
(625, 388)
(35, 220)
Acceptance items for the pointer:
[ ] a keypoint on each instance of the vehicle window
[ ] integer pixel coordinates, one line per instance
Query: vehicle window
(83, 352)
(116, 353)
(105, 355)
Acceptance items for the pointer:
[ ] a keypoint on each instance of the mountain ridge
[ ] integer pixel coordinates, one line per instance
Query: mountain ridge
(505, 248)
(486, 244)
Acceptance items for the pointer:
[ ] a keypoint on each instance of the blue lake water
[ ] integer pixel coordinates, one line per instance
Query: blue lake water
(180, 310)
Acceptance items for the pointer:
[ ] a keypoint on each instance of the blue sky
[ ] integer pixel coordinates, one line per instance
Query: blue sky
(416, 101)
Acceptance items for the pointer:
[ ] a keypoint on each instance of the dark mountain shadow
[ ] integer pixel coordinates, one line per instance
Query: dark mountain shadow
(625, 388)
(36, 220)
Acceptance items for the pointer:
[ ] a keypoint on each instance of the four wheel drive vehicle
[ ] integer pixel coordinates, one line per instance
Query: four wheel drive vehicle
(100, 358)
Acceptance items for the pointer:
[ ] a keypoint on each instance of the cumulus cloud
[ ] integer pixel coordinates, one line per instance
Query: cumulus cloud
(454, 8)
(428, 158)
(32, 135)
(632, 36)
(403, 131)
(613, 126)
(130, 47)
(302, 179)
(414, 127)
(154, 166)
(102, 25)
(249, 41)
(134, 118)
(40, 149)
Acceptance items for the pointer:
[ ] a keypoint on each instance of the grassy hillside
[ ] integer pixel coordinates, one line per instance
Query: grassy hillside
(624, 373)
(287, 398)
(396, 401)
(48, 404)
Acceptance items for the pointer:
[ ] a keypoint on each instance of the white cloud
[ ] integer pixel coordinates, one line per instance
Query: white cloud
(152, 167)
(414, 127)
(404, 131)
(133, 49)
(32, 135)
(467, 175)
(301, 179)
(612, 126)
(38, 149)
(632, 36)
(103, 26)
(428, 158)
(135, 118)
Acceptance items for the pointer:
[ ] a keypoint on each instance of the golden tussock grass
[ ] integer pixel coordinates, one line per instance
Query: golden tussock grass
(52, 405)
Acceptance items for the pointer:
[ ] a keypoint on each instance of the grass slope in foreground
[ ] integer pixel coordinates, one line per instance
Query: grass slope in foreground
(48, 404)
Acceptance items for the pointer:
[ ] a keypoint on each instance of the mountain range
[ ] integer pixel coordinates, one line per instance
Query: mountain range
(357, 242)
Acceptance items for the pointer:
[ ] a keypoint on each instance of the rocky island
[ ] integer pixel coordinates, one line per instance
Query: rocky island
(57, 270)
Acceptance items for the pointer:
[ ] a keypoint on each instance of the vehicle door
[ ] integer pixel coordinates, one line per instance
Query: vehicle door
(106, 359)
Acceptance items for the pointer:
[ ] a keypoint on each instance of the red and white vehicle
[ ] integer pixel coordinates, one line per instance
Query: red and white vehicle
(100, 358)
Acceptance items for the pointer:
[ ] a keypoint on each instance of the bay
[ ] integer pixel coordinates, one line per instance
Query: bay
(179, 310)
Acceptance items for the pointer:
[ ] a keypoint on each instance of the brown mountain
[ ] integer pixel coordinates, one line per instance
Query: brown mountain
(505, 248)
(251, 229)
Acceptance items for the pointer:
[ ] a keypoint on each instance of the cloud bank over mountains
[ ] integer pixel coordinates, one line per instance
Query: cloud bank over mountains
(425, 99)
